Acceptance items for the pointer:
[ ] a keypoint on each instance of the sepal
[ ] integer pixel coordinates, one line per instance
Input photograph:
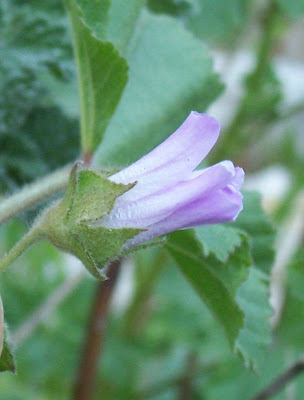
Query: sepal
(71, 224)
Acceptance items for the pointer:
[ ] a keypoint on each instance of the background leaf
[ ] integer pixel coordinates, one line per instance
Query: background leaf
(183, 80)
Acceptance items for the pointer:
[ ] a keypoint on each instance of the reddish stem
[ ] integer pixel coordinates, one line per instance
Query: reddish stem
(85, 380)
(87, 158)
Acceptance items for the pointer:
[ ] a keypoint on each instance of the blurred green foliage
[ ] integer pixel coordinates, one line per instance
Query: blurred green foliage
(34, 43)
(165, 324)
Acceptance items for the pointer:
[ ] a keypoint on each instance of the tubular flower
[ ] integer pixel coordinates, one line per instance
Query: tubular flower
(169, 193)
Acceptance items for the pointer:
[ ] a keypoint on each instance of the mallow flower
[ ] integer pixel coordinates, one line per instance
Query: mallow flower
(169, 193)
(103, 216)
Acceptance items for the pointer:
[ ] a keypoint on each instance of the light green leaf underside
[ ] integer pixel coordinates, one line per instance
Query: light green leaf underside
(183, 80)
(122, 22)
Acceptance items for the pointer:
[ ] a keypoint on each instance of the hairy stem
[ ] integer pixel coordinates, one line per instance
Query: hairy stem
(30, 238)
(85, 381)
(33, 193)
(281, 381)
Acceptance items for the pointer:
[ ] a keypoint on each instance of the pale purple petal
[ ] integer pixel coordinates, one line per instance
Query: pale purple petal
(239, 178)
(151, 209)
(221, 206)
(169, 195)
(176, 157)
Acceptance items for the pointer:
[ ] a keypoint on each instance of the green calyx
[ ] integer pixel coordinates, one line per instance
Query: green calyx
(69, 224)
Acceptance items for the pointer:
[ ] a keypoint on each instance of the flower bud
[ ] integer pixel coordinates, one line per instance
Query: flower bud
(102, 217)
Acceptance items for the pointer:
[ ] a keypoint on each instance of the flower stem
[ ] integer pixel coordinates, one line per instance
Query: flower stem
(86, 376)
(33, 193)
(28, 239)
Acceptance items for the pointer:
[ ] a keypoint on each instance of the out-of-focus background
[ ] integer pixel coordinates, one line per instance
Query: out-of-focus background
(243, 62)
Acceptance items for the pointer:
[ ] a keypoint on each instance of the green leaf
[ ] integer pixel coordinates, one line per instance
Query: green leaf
(219, 239)
(95, 15)
(237, 295)
(122, 22)
(102, 73)
(215, 282)
(168, 78)
(229, 253)
(255, 337)
(254, 221)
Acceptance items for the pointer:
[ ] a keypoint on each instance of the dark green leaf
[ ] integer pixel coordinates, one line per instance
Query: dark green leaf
(7, 359)
(34, 43)
(102, 74)
(47, 141)
(236, 294)
(213, 282)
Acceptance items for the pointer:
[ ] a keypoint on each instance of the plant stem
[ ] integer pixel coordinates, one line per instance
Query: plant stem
(33, 193)
(186, 382)
(28, 239)
(85, 381)
(282, 380)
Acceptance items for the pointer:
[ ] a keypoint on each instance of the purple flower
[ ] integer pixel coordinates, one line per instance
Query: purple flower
(169, 195)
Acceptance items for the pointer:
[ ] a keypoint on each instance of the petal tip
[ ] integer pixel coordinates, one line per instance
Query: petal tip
(207, 120)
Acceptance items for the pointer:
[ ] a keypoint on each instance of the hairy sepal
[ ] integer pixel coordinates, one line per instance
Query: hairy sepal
(71, 225)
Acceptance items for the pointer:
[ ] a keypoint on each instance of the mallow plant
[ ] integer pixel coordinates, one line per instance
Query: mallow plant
(106, 207)
(103, 215)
